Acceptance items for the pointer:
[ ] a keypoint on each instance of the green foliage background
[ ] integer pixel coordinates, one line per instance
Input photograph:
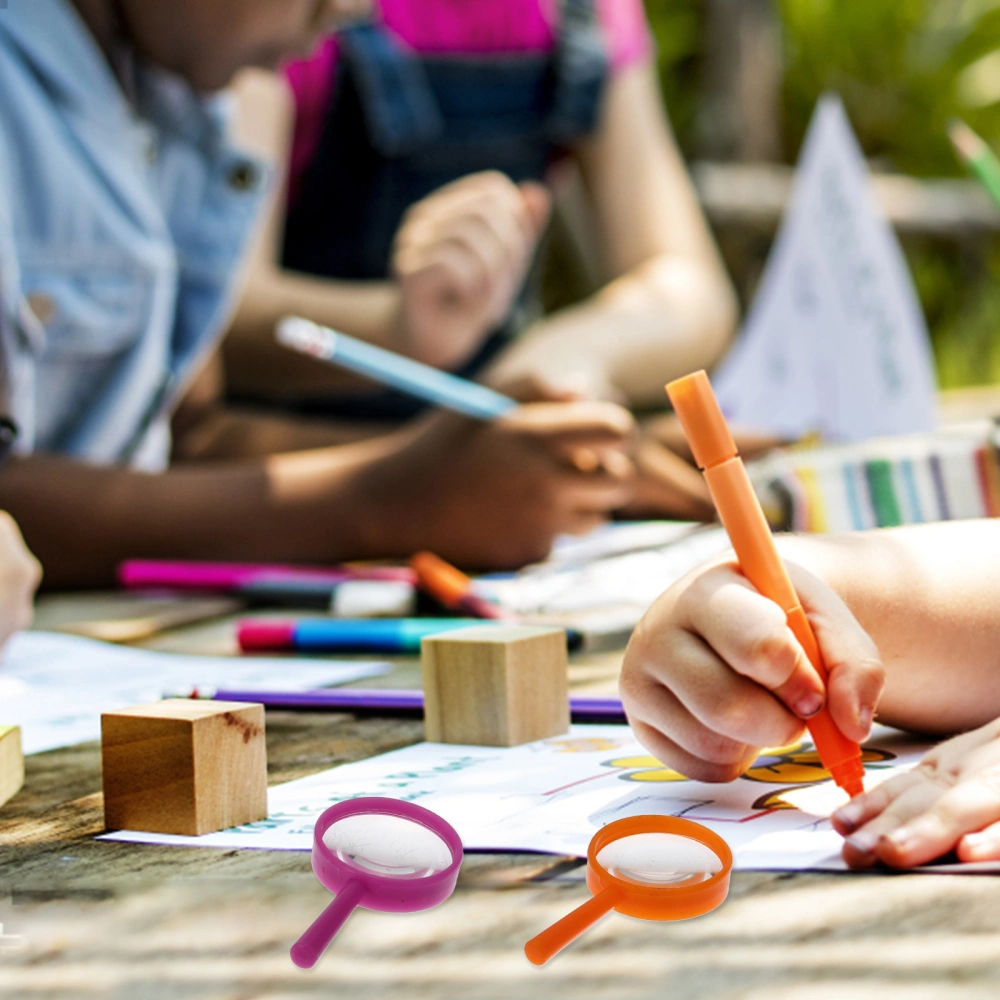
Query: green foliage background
(903, 68)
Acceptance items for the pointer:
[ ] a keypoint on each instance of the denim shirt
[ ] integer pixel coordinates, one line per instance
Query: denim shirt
(122, 227)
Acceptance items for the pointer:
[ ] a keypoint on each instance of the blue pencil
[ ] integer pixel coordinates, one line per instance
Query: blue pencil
(391, 369)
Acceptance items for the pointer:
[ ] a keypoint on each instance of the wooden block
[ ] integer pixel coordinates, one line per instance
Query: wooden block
(495, 685)
(184, 767)
(11, 763)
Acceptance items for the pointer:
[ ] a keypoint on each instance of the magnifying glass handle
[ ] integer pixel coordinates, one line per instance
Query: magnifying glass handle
(541, 948)
(307, 950)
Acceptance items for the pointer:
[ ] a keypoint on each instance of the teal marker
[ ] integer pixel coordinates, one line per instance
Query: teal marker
(345, 635)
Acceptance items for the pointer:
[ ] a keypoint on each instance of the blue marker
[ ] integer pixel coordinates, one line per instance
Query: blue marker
(345, 635)
(404, 374)
(355, 635)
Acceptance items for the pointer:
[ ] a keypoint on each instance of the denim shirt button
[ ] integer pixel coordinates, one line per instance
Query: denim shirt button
(243, 176)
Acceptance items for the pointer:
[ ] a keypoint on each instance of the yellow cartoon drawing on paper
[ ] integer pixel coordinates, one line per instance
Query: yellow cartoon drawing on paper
(792, 765)
(789, 765)
(584, 744)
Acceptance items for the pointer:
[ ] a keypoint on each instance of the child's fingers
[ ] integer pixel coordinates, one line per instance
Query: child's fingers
(983, 845)
(454, 272)
(918, 816)
(953, 795)
(607, 459)
(592, 492)
(855, 675)
(537, 203)
(713, 703)
(750, 633)
(575, 423)
(967, 807)
(902, 799)
(535, 388)
(728, 759)
(494, 205)
(671, 478)
(583, 522)
(726, 703)
(864, 808)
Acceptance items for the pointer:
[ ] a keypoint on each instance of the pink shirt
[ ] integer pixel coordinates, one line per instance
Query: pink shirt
(450, 26)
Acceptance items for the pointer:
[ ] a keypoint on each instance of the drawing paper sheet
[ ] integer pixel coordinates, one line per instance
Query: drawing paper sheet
(552, 796)
(615, 539)
(835, 341)
(627, 582)
(55, 686)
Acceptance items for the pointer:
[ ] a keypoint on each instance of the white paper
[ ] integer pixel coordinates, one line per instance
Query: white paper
(836, 342)
(55, 687)
(552, 796)
(615, 539)
(626, 584)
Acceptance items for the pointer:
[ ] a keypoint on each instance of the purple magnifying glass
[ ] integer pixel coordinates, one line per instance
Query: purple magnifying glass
(380, 854)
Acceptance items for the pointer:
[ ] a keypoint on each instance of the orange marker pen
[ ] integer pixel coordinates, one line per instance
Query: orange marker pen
(739, 509)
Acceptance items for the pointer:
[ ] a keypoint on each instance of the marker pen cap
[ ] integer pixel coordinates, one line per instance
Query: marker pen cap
(259, 635)
(373, 599)
(704, 425)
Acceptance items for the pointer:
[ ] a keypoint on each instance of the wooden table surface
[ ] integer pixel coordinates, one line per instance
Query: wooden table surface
(89, 919)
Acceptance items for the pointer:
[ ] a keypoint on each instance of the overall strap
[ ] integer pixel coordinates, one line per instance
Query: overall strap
(399, 106)
(582, 68)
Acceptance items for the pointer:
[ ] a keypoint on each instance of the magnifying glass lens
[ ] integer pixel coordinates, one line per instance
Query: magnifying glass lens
(382, 854)
(659, 859)
(390, 846)
(653, 867)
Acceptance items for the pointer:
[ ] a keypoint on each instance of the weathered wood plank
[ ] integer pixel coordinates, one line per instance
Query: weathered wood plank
(87, 919)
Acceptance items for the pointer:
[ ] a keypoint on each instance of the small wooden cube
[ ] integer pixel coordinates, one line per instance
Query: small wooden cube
(495, 685)
(184, 767)
(11, 763)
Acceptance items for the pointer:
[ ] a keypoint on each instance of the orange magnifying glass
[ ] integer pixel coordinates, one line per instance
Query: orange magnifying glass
(653, 867)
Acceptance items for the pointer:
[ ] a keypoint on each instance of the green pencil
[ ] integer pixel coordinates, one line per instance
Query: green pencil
(977, 156)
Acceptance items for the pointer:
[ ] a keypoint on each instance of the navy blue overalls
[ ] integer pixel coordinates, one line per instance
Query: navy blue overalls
(402, 125)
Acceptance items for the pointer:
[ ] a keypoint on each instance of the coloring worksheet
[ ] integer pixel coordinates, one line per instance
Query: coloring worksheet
(55, 687)
(835, 342)
(552, 796)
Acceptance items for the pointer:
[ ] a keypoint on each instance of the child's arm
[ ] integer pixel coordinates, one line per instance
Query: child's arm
(459, 262)
(669, 307)
(713, 673)
(20, 574)
(482, 495)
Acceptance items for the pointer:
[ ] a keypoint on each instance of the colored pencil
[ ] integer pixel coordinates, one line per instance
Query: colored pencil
(412, 377)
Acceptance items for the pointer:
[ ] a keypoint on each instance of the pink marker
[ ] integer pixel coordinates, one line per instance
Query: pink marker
(381, 854)
(156, 574)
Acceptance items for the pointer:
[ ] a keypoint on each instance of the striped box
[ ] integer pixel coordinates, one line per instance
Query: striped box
(949, 475)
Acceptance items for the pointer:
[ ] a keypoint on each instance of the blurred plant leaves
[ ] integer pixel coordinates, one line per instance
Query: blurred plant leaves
(903, 68)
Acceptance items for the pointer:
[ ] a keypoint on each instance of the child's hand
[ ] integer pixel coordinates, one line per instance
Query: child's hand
(667, 486)
(496, 495)
(713, 673)
(20, 575)
(460, 258)
(950, 801)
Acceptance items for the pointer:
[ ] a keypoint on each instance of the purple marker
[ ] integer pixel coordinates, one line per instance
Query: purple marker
(390, 702)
